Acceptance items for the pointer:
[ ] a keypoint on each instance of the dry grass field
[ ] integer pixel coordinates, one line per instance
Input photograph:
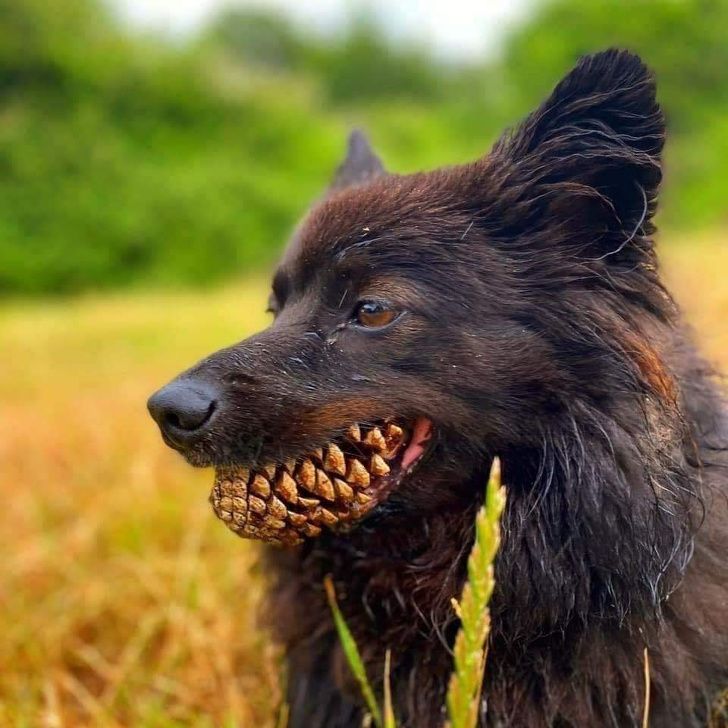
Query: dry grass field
(123, 602)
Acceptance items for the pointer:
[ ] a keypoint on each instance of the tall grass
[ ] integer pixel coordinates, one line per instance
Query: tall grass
(464, 692)
(351, 651)
(646, 711)
(463, 696)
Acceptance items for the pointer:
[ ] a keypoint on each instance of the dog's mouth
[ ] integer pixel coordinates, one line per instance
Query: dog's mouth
(332, 487)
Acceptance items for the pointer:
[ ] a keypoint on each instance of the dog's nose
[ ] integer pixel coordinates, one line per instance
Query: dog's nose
(183, 409)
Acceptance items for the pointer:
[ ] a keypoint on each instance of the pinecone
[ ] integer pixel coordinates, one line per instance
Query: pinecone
(285, 502)
(719, 712)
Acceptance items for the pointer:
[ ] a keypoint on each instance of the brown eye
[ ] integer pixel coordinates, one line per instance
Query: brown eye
(375, 314)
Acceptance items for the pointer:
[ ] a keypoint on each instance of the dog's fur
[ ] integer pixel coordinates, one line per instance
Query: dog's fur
(535, 327)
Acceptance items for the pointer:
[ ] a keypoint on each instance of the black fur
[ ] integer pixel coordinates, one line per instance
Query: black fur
(534, 326)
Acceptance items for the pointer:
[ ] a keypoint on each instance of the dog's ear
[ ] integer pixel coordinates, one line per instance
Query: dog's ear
(360, 165)
(585, 167)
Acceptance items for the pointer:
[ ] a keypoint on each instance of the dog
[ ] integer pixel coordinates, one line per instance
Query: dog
(425, 324)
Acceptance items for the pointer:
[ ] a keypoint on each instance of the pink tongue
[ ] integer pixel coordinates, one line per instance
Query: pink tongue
(420, 436)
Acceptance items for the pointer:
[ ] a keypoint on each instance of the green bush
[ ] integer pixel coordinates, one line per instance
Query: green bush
(128, 160)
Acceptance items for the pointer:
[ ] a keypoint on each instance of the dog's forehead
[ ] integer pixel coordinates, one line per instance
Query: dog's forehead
(369, 218)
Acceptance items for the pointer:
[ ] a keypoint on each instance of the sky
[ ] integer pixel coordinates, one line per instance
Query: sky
(454, 28)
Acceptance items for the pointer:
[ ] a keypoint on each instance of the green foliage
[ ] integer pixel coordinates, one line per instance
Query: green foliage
(351, 651)
(123, 162)
(127, 160)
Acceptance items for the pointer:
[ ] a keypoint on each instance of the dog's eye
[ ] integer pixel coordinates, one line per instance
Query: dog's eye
(374, 314)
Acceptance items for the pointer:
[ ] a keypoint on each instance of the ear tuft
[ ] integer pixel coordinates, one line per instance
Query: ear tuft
(590, 154)
(614, 89)
(360, 165)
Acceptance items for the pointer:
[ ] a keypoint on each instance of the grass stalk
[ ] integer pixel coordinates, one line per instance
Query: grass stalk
(646, 713)
(470, 651)
(351, 651)
(389, 720)
(464, 691)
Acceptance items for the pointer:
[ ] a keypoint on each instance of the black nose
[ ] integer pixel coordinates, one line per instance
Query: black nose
(183, 410)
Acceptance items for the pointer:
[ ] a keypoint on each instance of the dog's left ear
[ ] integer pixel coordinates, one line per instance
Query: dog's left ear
(585, 167)
(360, 165)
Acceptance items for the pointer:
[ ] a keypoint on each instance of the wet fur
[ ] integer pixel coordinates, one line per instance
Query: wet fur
(537, 329)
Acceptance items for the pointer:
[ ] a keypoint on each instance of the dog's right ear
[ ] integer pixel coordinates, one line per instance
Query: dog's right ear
(360, 165)
(581, 173)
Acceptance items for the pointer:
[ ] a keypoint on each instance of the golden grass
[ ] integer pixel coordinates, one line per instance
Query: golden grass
(123, 602)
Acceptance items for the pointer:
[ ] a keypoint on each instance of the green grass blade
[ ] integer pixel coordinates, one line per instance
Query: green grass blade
(351, 651)
(464, 691)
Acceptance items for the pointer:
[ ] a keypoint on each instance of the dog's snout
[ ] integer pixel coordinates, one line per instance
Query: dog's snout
(183, 410)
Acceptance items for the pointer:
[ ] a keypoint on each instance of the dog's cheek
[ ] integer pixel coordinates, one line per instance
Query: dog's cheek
(484, 381)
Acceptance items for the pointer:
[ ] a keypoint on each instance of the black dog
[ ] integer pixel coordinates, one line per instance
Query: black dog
(424, 324)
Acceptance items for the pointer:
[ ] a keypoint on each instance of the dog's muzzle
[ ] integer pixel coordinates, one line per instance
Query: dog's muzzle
(333, 486)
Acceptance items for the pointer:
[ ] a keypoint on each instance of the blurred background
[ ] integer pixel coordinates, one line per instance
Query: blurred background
(154, 155)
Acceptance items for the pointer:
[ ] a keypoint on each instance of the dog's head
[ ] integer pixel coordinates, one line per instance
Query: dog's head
(423, 323)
